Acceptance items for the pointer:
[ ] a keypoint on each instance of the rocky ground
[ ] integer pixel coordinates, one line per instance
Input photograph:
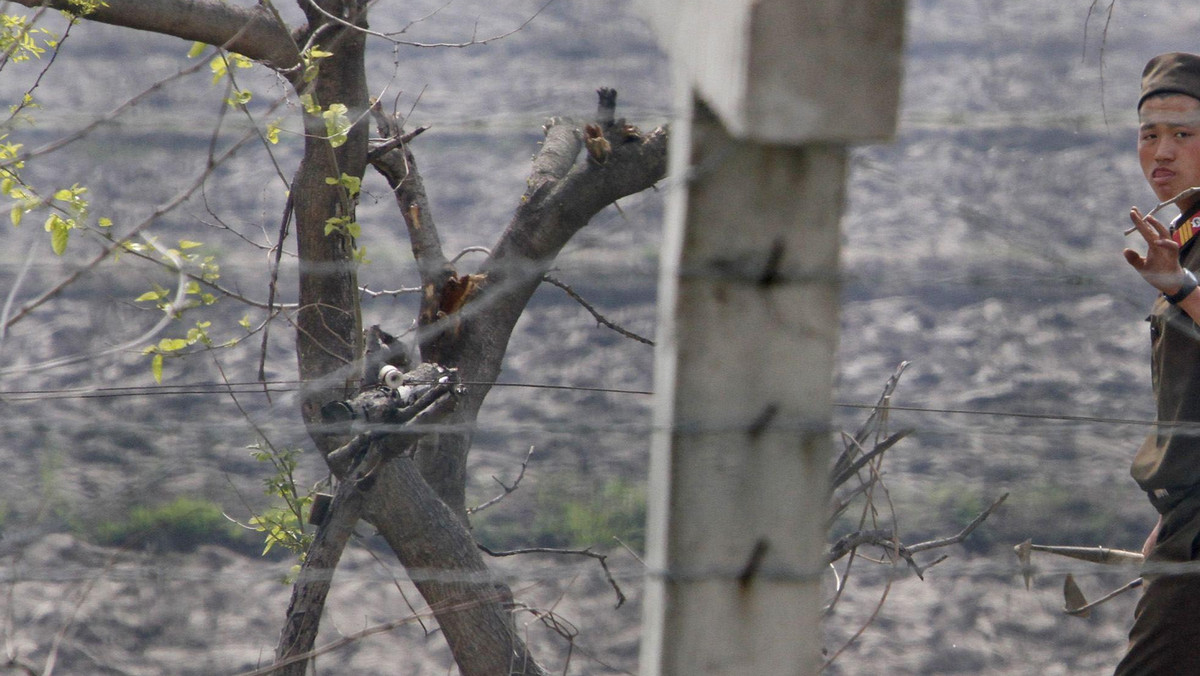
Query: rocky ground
(982, 245)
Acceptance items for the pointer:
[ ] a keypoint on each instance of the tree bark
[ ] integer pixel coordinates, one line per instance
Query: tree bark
(250, 31)
(329, 322)
(562, 197)
(379, 480)
(316, 577)
(472, 607)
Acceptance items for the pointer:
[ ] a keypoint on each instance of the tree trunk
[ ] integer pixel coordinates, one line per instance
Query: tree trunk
(472, 607)
(329, 322)
(416, 501)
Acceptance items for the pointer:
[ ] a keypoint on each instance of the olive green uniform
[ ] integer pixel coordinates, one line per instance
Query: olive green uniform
(1165, 638)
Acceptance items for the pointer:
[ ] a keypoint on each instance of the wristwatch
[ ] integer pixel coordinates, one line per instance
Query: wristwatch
(1189, 285)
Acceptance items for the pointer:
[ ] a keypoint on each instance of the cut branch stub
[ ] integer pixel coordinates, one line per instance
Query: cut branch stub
(606, 109)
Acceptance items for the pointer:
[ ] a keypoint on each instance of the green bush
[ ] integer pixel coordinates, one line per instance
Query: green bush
(180, 525)
(573, 514)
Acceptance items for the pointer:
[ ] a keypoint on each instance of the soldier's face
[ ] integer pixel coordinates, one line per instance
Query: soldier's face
(1169, 144)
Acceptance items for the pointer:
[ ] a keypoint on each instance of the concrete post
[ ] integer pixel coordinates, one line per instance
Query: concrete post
(771, 92)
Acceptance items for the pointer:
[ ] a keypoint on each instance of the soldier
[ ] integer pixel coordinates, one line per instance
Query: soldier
(1165, 638)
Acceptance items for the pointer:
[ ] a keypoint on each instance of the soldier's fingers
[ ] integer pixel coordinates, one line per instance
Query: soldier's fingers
(1151, 229)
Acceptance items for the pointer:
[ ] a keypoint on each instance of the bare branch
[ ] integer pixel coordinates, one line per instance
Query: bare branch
(103, 119)
(394, 143)
(334, 19)
(885, 538)
(473, 41)
(272, 286)
(12, 294)
(602, 558)
(842, 502)
(399, 167)
(844, 475)
(866, 623)
(961, 535)
(630, 550)
(469, 250)
(601, 319)
(507, 489)
(26, 99)
(879, 411)
(169, 312)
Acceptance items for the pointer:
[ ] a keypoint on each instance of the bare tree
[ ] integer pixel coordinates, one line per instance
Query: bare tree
(411, 488)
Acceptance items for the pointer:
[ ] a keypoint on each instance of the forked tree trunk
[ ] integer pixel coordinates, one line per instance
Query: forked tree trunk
(417, 502)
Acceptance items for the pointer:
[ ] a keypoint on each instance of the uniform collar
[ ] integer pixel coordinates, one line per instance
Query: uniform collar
(1186, 226)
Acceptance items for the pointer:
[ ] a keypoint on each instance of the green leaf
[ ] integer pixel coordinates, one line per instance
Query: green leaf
(60, 231)
(156, 365)
(273, 132)
(240, 98)
(219, 67)
(353, 184)
(310, 106)
(104, 222)
(148, 296)
(189, 244)
(337, 123)
(171, 344)
(58, 240)
(196, 50)
(15, 215)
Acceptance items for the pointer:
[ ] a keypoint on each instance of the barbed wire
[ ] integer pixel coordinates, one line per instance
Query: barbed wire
(154, 568)
(284, 386)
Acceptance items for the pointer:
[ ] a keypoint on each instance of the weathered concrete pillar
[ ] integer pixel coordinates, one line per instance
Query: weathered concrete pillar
(770, 94)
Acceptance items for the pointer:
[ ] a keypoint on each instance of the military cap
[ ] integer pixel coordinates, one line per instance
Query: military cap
(1172, 73)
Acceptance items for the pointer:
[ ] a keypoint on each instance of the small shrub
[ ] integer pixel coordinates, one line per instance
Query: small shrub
(180, 525)
(570, 514)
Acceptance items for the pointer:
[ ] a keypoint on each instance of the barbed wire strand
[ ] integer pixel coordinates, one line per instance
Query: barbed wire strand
(277, 386)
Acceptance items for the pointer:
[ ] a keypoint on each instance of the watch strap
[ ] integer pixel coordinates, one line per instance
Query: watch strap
(1189, 285)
